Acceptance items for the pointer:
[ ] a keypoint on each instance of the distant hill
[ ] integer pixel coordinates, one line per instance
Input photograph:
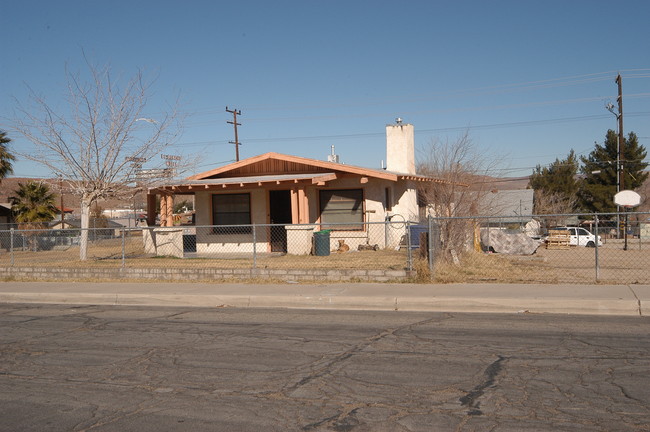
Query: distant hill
(70, 201)
(9, 185)
(500, 183)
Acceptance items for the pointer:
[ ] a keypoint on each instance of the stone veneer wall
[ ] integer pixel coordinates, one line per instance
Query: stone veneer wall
(170, 274)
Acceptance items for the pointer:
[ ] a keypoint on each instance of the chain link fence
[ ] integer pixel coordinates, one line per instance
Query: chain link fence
(566, 248)
(367, 246)
(576, 248)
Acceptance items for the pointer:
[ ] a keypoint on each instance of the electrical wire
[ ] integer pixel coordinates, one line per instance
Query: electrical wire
(495, 89)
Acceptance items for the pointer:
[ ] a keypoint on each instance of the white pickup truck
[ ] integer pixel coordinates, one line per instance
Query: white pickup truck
(580, 237)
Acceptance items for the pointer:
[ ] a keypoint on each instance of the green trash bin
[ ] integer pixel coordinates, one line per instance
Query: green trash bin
(322, 243)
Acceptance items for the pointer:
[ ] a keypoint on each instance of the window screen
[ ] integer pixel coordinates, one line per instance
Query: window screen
(231, 209)
(342, 207)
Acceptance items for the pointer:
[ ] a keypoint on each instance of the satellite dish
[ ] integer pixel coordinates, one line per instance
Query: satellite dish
(627, 198)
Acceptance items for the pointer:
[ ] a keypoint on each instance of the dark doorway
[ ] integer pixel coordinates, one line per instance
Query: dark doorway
(280, 213)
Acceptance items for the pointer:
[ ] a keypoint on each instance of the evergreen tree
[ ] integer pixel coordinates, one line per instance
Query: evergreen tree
(6, 158)
(598, 186)
(555, 186)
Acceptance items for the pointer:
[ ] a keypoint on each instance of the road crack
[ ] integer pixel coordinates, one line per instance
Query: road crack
(325, 367)
(471, 399)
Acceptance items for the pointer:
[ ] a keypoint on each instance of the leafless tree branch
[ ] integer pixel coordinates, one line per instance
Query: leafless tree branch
(92, 142)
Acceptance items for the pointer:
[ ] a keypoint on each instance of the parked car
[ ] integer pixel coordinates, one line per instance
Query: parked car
(579, 236)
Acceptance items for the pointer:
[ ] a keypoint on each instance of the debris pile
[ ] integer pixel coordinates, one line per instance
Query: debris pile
(508, 242)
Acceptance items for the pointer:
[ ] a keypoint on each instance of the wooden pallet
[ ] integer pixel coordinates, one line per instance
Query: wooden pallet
(558, 240)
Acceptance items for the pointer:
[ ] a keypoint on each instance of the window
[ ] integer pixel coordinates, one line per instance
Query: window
(389, 202)
(342, 207)
(231, 209)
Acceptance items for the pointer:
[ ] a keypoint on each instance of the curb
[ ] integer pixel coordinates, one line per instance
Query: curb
(377, 303)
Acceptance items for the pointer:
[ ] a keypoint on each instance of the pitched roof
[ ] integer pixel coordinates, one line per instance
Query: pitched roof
(189, 186)
(274, 164)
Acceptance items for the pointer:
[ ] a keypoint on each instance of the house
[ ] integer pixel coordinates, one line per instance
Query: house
(509, 206)
(298, 194)
(6, 216)
(99, 228)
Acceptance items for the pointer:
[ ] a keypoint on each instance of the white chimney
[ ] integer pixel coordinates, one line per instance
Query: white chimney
(400, 148)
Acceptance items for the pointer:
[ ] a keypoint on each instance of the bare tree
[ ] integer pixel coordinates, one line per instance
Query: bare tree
(554, 204)
(462, 192)
(100, 141)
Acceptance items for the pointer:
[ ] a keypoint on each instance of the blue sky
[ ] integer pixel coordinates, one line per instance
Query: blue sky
(528, 80)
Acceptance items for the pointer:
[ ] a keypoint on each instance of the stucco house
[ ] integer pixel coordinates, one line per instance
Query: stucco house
(301, 195)
(6, 216)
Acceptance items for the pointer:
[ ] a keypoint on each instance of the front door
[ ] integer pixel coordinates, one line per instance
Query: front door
(280, 213)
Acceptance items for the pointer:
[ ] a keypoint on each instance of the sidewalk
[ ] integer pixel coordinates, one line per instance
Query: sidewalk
(631, 300)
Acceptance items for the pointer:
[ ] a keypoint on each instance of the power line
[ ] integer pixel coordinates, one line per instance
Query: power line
(437, 110)
(495, 89)
(422, 131)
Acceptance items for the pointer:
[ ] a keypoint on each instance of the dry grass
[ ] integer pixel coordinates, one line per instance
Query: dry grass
(574, 265)
(479, 267)
(108, 254)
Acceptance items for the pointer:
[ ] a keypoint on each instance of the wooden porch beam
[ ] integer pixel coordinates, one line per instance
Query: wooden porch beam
(151, 209)
(295, 214)
(303, 210)
(170, 210)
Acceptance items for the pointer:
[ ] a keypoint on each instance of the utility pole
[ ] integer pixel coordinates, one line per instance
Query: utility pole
(62, 210)
(235, 113)
(621, 139)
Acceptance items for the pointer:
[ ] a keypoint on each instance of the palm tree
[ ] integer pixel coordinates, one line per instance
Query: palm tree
(33, 203)
(6, 158)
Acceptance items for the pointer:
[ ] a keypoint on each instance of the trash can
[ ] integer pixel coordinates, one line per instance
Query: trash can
(322, 243)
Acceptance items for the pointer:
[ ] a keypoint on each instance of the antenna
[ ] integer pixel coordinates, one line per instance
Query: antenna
(333, 157)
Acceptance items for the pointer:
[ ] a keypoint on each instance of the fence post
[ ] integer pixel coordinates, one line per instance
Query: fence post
(596, 252)
(11, 246)
(123, 248)
(386, 222)
(488, 246)
(430, 245)
(409, 254)
(254, 247)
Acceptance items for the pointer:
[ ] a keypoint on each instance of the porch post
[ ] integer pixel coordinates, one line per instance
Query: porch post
(151, 209)
(163, 210)
(303, 210)
(295, 210)
(169, 214)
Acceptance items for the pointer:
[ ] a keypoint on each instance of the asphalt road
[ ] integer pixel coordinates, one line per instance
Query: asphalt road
(110, 368)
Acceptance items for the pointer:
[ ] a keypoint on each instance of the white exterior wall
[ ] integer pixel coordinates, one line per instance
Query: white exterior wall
(404, 203)
(208, 242)
(374, 207)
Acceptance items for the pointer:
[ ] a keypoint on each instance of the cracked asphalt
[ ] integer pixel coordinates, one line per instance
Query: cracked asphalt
(111, 368)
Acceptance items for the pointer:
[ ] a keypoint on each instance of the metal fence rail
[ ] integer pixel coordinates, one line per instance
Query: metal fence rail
(362, 246)
(622, 256)
(440, 249)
